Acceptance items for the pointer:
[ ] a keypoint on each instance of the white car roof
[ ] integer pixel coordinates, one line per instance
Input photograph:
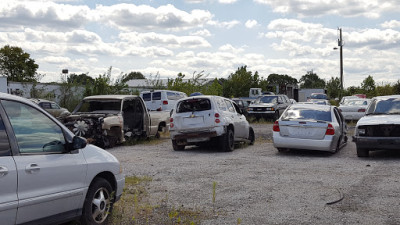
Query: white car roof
(119, 97)
(311, 106)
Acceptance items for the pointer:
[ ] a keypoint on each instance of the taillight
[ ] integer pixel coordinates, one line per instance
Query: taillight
(165, 102)
(216, 118)
(276, 127)
(361, 110)
(330, 130)
(171, 119)
(171, 125)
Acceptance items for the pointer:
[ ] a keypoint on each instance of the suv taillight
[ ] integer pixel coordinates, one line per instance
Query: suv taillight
(330, 130)
(165, 102)
(276, 127)
(216, 115)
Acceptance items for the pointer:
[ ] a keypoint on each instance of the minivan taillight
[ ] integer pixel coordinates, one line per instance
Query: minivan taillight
(330, 130)
(165, 102)
(276, 127)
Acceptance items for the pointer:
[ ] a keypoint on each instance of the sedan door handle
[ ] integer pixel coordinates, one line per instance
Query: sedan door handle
(3, 171)
(32, 168)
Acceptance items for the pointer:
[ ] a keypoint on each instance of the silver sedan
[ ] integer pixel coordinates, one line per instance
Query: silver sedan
(354, 109)
(311, 127)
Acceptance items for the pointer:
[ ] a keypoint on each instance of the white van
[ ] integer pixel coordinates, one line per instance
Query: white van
(161, 100)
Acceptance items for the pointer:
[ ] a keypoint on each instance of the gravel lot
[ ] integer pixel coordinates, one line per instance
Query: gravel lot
(258, 185)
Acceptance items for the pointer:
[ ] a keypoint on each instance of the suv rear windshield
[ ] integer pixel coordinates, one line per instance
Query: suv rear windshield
(193, 105)
(307, 114)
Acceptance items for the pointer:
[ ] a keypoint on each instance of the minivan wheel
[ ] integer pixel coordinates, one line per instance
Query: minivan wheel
(251, 136)
(228, 141)
(177, 147)
(98, 203)
(362, 152)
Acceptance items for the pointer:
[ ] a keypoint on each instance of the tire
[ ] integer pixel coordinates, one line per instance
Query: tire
(276, 115)
(177, 147)
(98, 203)
(227, 141)
(252, 137)
(281, 149)
(362, 152)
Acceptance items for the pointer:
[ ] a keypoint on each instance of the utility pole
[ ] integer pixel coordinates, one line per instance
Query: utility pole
(340, 44)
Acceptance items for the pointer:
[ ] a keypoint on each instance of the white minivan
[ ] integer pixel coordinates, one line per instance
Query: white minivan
(161, 100)
(47, 174)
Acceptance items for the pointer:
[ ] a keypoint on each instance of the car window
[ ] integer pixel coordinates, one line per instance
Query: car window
(34, 131)
(337, 116)
(267, 99)
(193, 105)
(45, 105)
(307, 114)
(221, 104)
(55, 105)
(230, 106)
(146, 96)
(156, 96)
(100, 105)
(171, 95)
(389, 106)
(4, 142)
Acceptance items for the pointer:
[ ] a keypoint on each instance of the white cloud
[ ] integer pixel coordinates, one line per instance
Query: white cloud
(226, 25)
(128, 16)
(251, 23)
(203, 33)
(227, 1)
(56, 59)
(346, 8)
(391, 24)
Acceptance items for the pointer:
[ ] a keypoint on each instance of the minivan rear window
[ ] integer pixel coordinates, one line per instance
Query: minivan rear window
(156, 95)
(193, 105)
(147, 97)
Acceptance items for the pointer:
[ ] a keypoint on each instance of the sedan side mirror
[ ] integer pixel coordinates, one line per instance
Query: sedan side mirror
(78, 143)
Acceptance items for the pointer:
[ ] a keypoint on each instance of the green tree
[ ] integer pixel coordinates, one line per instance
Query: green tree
(212, 88)
(239, 83)
(281, 80)
(384, 89)
(311, 80)
(396, 87)
(104, 85)
(132, 76)
(333, 87)
(368, 86)
(17, 65)
(80, 79)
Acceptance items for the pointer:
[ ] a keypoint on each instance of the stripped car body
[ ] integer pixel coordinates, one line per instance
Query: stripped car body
(379, 129)
(107, 120)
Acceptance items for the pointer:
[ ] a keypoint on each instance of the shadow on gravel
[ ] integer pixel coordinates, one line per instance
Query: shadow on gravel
(383, 155)
(210, 148)
(305, 153)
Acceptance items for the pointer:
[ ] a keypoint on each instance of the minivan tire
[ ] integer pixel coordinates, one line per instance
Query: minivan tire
(177, 147)
(98, 198)
(227, 141)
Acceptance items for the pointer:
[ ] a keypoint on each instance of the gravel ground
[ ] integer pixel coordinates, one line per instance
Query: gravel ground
(258, 185)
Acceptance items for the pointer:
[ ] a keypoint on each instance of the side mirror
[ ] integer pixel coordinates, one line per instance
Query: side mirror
(78, 143)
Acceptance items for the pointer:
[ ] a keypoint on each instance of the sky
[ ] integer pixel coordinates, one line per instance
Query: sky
(214, 37)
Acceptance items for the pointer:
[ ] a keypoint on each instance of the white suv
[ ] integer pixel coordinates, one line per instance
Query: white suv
(205, 118)
(47, 174)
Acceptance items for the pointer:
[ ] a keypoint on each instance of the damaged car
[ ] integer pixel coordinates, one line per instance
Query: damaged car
(108, 120)
(379, 129)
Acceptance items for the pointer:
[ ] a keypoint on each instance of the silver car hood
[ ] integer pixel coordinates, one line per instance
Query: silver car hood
(263, 105)
(379, 119)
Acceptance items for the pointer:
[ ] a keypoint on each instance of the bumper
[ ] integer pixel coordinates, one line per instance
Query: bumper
(197, 135)
(352, 115)
(120, 178)
(329, 143)
(376, 143)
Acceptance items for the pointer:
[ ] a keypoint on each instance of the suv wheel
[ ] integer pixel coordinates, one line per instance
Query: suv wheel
(362, 152)
(98, 203)
(251, 136)
(177, 147)
(228, 141)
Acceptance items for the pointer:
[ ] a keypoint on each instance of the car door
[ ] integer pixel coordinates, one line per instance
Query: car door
(8, 180)
(243, 124)
(236, 118)
(50, 181)
(341, 124)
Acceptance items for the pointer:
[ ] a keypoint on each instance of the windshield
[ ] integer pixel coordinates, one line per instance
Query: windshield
(193, 105)
(307, 114)
(99, 106)
(267, 99)
(387, 106)
(318, 96)
(356, 102)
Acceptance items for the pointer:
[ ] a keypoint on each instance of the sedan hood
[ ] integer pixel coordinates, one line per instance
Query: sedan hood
(379, 119)
(263, 105)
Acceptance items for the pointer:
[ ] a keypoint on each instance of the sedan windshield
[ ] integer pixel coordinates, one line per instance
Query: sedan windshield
(388, 106)
(307, 114)
(267, 99)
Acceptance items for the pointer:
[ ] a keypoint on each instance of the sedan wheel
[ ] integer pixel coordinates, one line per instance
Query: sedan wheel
(98, 203)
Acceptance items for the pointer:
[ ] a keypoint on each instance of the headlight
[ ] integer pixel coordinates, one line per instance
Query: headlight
(360, 132)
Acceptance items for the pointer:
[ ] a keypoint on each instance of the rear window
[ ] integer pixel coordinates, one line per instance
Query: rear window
(156, 95)
(307, 114)
(147, 97)
(193, 105)
(172, 96)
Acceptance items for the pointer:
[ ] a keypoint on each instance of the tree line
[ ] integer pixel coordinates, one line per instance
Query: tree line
(18, 66)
